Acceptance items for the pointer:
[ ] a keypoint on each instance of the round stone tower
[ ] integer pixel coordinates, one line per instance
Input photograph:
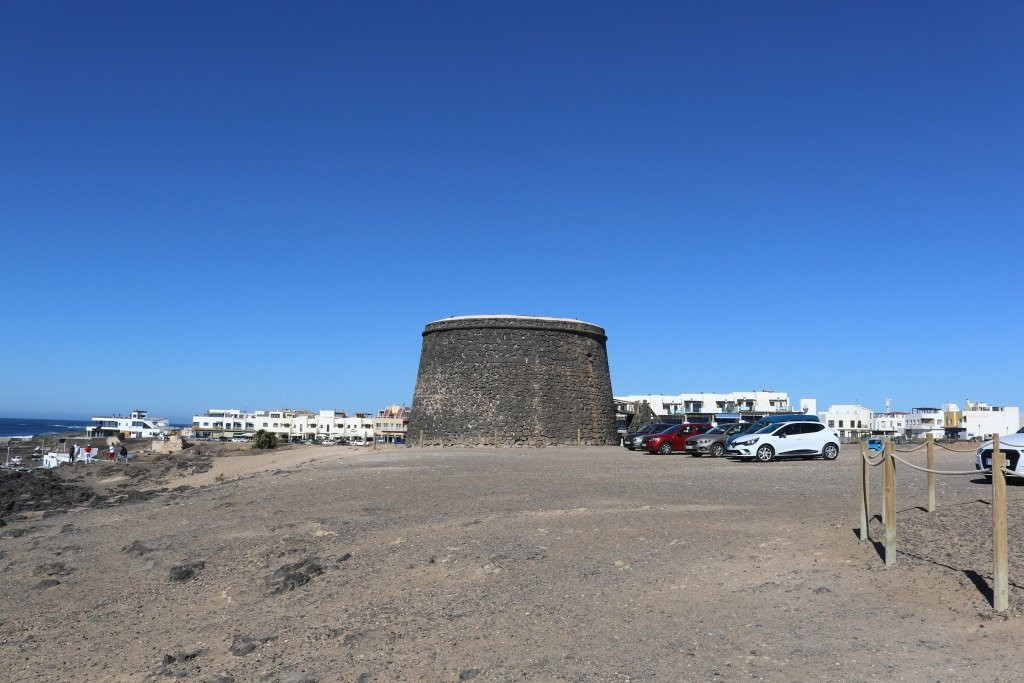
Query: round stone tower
(535, 380)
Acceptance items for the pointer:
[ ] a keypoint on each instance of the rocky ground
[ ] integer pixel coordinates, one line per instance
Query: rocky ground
(324, 564)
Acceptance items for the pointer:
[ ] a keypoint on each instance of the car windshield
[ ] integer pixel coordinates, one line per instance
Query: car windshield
(716, 430)
(653, 427)
(768, 428)
(756, 427)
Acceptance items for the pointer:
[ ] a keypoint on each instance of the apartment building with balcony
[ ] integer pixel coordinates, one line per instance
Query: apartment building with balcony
(715, 407)
(923, 421)
(288, 424)
(358, 426)
(137, 425)
(979, 420)
(891, 424)
(392, 424)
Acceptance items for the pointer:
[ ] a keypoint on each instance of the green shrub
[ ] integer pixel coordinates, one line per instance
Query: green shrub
(264, 439)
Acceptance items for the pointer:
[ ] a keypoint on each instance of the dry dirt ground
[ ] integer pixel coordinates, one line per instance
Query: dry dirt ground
(339, 564)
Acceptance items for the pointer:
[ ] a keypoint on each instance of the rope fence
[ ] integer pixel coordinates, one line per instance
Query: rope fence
(934, 443)
(888, 458)
(953, 472)
(910, 450)
(954, 450)
(868, 460)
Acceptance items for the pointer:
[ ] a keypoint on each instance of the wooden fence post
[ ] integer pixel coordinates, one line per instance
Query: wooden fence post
(931, 475)
(421, 438)
(889, 486)
(1000, 560)
(865, 485)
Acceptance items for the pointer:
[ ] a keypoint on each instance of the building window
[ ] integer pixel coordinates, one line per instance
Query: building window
(831, 423)
(840, 424)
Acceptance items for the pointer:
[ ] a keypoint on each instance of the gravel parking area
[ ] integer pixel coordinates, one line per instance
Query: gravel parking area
(549, 564)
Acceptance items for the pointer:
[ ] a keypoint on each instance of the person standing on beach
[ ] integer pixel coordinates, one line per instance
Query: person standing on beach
(110, 453)
(71, 454)
(124, 453)
(78, 452)
(88, 452)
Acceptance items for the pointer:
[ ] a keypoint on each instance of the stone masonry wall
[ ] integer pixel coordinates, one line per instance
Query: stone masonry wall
(536, 380)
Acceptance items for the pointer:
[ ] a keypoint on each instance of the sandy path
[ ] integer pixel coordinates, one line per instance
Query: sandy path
(246, 463)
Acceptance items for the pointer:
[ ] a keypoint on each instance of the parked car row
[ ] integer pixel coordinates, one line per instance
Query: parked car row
(771, 437)
(675, 437)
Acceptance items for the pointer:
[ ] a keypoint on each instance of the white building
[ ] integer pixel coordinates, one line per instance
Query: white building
(924, 421)
(391, 424)
(358, 426)
(980, 420)
(891, 424)
(849, 421)
(707, 404)
(138, 425)
(289, 425)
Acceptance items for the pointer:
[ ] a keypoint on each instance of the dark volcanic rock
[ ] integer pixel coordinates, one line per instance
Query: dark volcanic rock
(186, 570)
(39, 490)
(291, 576)
(180, 664)
(52, 569)
(243, 645)
(137, 549)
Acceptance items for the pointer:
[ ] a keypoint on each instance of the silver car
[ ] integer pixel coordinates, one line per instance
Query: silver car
(712, 442)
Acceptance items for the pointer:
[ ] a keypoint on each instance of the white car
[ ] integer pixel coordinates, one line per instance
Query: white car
(787, 440)
(1011, 445)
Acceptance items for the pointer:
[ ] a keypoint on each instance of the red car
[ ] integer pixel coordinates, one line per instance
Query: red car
(674, 439)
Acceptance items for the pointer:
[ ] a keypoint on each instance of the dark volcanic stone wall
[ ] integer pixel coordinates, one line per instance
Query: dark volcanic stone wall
(535, 380)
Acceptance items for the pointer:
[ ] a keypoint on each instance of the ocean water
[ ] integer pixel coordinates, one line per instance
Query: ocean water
(23, 426)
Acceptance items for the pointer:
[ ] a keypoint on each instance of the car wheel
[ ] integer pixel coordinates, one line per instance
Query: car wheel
(765, 453)
(666, 448)
(830, 451)
(717, 450)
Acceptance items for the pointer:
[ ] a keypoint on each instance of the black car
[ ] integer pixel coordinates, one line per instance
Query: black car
(634, 441)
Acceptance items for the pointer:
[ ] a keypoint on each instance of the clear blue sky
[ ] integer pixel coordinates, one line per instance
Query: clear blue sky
(261, 204)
